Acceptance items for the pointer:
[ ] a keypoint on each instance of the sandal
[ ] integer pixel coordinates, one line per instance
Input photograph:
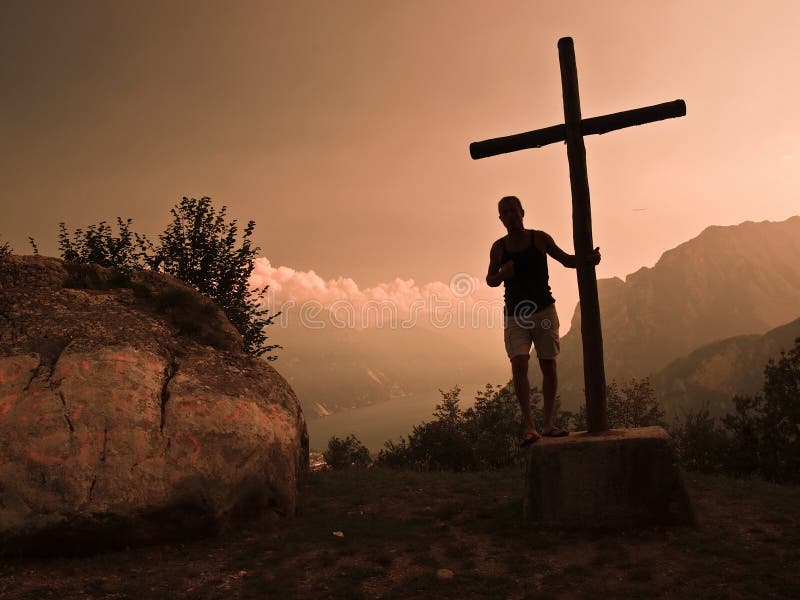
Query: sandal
(528, 439)
(556, 432)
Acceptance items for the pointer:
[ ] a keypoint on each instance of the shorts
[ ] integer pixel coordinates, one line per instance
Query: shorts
(541, 328)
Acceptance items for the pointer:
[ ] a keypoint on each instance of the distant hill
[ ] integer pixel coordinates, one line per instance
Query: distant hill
(728, 281)
(711, 375)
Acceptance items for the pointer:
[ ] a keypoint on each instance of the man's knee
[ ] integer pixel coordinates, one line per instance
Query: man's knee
(519, 365)
(548, 366)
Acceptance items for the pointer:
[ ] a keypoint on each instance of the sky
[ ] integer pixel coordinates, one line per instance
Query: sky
(342, 127)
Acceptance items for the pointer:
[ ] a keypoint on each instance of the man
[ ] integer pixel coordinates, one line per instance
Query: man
(519, 260)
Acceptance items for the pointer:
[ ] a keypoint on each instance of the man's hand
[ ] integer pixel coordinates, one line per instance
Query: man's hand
(594, 257)
(495, 278)
(507, 270)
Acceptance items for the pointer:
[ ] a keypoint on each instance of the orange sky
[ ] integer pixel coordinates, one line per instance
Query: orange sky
(343, 127)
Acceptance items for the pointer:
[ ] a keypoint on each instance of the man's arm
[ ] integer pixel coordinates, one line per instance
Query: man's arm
(498, 273)
(568, 260)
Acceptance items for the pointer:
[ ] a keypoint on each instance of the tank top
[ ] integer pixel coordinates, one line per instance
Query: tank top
(528, 290)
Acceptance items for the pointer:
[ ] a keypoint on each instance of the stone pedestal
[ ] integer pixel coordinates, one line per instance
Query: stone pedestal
(617, 479)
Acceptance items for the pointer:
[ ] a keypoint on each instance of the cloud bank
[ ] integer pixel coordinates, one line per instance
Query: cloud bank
(287, 285)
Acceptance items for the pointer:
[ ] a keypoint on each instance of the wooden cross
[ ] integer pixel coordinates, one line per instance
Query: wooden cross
(572, 131)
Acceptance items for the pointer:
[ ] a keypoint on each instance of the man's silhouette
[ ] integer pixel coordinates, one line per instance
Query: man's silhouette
(519, 260)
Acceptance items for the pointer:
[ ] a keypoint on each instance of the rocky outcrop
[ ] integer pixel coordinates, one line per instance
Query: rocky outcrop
(128, 409)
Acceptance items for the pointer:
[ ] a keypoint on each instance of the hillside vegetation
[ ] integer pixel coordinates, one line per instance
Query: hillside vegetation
(711, 375)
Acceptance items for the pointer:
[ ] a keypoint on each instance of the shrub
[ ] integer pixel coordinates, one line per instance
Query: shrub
(483, 436)
(199, 248)
(487, 434)
(761, 436)
(700, 443)
(633, 404)
(97, 245)
(765, 429)
(346, 453)
(494, 423)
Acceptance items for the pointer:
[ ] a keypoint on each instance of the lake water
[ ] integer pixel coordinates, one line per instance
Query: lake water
(375, 424)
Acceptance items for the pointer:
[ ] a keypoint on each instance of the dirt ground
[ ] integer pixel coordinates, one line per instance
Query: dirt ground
(378, 533)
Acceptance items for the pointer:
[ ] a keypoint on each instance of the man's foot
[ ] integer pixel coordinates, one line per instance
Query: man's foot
(530, 437)
(555, 432)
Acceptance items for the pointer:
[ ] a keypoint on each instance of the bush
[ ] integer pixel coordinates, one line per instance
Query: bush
(346, 453)
(781, 449)
(442, 444)
(494, 425)
(483, 436)
(765, 429)
(487, 434)
(199, 248)
(97, 245)
(700, 443)
(633, 404)
(760, 437)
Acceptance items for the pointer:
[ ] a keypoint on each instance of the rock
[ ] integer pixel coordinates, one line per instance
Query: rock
(129, 413)
(617, 479)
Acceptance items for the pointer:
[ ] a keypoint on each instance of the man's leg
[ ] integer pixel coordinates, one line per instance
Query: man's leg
(549, 386)
(547, 349)
(519, 371)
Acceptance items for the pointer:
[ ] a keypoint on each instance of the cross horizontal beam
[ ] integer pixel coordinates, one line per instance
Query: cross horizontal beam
(594, 125)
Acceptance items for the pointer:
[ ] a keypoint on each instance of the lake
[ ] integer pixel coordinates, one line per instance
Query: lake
(375, 424)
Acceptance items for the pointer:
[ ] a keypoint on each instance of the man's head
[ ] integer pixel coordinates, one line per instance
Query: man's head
(511, 212)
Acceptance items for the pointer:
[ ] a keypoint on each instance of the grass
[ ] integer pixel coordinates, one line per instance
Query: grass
(400, 527)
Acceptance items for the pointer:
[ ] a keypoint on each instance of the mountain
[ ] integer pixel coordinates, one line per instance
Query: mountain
(728, 281)
(334, 368)
(711, 375)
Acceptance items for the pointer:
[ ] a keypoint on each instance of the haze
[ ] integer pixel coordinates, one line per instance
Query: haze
(342, 128)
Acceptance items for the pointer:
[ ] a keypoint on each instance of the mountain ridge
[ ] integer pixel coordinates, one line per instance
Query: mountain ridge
(711, 375)
(728, 280)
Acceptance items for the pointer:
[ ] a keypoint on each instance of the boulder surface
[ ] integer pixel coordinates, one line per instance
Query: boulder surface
(129, 412)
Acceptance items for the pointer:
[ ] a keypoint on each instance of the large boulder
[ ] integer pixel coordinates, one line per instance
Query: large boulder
(129, 411)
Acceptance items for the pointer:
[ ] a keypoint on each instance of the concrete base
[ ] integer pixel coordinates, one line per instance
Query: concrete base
(617, 479)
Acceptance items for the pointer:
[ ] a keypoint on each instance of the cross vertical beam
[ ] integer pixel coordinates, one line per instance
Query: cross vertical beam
(594, 376)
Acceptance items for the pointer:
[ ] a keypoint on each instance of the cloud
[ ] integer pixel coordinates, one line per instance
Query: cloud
(288, 284)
